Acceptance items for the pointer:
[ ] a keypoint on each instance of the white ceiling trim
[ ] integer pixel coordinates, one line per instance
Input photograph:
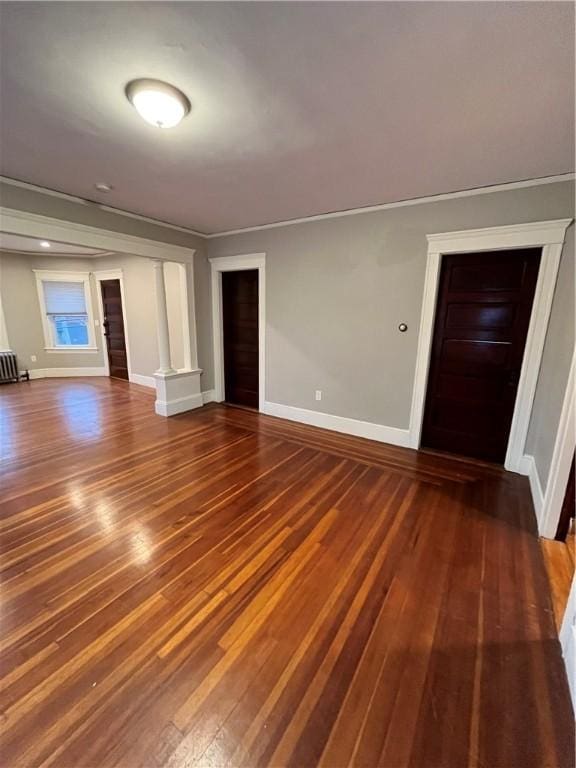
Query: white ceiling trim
(57, 254)
(96, 204)
(533, 233)
(44, 227)
(404, 203)
(303, 220)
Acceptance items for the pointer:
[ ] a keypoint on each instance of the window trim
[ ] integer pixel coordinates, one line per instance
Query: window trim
(44, 276)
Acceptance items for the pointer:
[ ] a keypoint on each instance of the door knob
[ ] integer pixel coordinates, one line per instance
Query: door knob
(513, 377)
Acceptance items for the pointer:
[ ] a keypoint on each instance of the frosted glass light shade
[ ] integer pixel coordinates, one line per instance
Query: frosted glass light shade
(160, 104)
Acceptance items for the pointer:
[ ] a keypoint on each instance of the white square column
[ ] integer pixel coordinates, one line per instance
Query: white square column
(177, 392)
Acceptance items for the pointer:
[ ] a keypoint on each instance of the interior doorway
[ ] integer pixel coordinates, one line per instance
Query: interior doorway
(222, 266)
(482, 317)
(567, 512)
(113, 328)
(240, 337)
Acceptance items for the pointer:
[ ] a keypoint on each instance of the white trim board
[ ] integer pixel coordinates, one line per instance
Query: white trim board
(144, 381)
(403, 203)
(208, 396)
(187, 316)
(17, 222)
(184, 274)
(235, 264)
(568, 641)
(564, 446)
(525, 183)
(96, 204)
(4, 340)
(367, 429)
(178, 405)
(549, 235)
(64, 373)
(529, 468)
(112, 274)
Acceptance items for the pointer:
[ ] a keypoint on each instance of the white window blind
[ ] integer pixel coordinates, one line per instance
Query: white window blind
(63, 298)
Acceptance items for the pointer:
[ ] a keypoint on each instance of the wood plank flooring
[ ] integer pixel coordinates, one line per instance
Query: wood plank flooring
(559, 558)
(227, 589)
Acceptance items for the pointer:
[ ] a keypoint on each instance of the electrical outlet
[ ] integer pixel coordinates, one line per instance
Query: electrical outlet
(33, 358)
(318, 394)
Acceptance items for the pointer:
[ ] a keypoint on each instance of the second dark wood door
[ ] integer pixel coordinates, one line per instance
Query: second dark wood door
(482, 318)
(568, 506)
(114, 328)
(240, 321)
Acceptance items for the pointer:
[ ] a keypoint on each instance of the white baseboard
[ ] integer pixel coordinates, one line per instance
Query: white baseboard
(525, 465)
(209, 396)
(181, 404)
(528, 467)
(366, 429)
(59, 373)
(144, 381)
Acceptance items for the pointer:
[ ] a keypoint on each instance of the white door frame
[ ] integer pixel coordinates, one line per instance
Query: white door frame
(564, 445)
(112, 274)
(235, 264)
(568, 641)
(549, 235)
(17, 222)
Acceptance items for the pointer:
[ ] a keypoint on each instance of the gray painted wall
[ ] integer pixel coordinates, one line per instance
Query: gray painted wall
(555, 367)
(338, 288)
(19, 299)
(139, 309)
(336, 291)
(22, 316)
(203, 310)
(91, 214)
(142, 312)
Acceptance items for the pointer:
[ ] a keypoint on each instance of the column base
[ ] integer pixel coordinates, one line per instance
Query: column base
(177, 392)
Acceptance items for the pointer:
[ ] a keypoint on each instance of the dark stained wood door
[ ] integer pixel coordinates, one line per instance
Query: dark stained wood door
(240, 321)
(568, 506)
(114, 328)
(482, 317)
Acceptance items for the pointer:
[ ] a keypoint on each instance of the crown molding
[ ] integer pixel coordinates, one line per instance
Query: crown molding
(18, 222)
(404, 203)
(304, 219)
(100, 206)
(533, 233)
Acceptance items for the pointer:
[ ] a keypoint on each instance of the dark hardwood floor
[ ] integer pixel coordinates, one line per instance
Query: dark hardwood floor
(227, 589)
(559, 559)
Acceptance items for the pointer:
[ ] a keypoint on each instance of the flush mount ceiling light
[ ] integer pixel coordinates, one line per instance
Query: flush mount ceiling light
(45, 244)
(103, 187)
(160, 104)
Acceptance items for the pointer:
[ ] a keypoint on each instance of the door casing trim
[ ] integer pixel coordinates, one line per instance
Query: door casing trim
(549, 235)
(564, 445)
(112, 274)
(236, 264)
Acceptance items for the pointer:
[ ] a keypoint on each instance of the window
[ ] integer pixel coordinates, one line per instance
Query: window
(4, 345)
(66, 310)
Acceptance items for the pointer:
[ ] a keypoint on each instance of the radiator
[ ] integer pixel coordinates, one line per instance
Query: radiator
(8, 367)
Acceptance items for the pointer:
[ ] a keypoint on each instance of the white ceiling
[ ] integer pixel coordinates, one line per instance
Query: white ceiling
(298, 108)
(20, 244)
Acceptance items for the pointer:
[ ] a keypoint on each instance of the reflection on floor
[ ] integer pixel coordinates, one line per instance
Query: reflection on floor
(559, 558)
(223, 588)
